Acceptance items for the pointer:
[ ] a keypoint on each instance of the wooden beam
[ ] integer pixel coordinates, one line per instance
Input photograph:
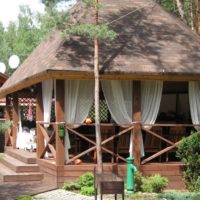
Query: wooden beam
(39, 117)
(158, 136)
(161, 152)
(136, 150)
(7, 117)
(7, 108)
(59, 111)
(15, 119)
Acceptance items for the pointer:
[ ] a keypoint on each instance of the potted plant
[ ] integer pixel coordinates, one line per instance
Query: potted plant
(61, 130)
(4, 126)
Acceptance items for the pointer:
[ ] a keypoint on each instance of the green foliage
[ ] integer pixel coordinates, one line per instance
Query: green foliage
(61, 126)
(154, 183)
(189, 153)
(195, 196)
(1, 156)
(88, 191)
(71, 186)
(87, 180)
(138, 181)
(100, 31)
(197, 185)
(179, 195)
(23, 35)
(4, 126)
(92, 4)
(85, 183)
(171, 6)
(27, 197)
(52, 19)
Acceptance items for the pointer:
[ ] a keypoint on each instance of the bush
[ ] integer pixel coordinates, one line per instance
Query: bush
(4, 126)
(71, 186)
(85, 183)
(197, 185)
(87, 180)
(89, 191)
(195, 196)
(180, 196)
(189, 153)
(138, 181)
(154, 183)
(176, 196)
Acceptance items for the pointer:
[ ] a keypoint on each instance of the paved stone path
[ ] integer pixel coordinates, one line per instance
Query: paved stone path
(60, 194)
(11, 191)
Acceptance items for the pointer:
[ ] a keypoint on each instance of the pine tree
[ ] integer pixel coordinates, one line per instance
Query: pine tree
(96, 32)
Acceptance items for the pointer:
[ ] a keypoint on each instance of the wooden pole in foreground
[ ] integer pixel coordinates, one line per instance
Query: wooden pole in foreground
(39, 117)
(59, 111)
(137, 118)
(96, 74)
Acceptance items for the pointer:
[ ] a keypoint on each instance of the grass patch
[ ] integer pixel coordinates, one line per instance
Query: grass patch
(26, 197)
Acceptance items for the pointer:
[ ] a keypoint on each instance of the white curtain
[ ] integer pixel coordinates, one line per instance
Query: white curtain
(151, 98)
(119, 98)
(20, 139)
(79, 96)
(194, 100)
(118, 95)
(47, 92)
(151, 94)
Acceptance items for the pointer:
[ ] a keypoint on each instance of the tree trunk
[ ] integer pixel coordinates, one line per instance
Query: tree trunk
(196, 15)
(179, 4)
(96, 75)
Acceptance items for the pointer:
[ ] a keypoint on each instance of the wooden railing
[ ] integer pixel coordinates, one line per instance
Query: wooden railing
(93, 148)
(50, 141)
(164, 138)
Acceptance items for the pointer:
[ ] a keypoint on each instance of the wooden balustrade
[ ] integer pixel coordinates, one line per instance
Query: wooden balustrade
(173, 144)
(51, 140)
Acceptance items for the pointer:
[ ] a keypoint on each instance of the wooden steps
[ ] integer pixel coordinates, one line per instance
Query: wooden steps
(24, 156)
(19, 166)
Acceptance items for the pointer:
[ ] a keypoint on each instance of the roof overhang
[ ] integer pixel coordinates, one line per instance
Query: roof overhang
(74, 75)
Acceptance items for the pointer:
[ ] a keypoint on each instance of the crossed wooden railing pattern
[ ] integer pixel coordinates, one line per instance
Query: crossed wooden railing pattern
(50, 141)
(169, 142)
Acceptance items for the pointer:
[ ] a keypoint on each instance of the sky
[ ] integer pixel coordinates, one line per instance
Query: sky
(9, 9)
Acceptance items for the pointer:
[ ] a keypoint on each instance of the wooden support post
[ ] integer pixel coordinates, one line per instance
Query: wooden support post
(7, 110)
(39, 117)
(7, 117)
(136, 151)
(15, 119)
(59, 111)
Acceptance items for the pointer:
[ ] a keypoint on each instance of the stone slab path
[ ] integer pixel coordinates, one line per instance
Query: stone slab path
(11, 191)
(60, 194)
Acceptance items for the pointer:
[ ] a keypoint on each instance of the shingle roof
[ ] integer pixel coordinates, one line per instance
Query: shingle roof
(151, 42)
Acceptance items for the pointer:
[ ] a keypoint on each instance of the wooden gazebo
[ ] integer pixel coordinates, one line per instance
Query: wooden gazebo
(151, 45)
(3, 78)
